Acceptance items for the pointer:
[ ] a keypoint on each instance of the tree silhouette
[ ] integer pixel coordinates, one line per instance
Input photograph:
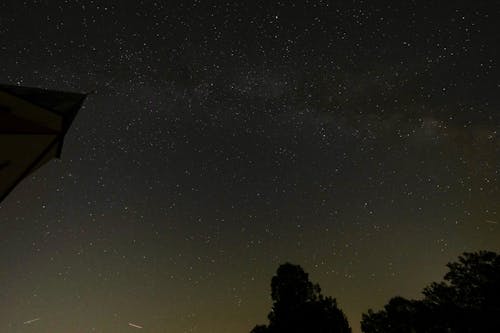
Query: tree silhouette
(468, 300)
(260, 329)
(399, 316)
(299, 306)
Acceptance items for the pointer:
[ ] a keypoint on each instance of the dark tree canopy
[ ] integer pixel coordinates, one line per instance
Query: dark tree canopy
(468, 300)
(299, 306)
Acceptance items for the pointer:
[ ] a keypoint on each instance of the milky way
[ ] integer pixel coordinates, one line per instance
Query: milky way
(359, 140)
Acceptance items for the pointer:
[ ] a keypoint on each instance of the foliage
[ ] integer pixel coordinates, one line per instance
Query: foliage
(468, 300)
(299, 306)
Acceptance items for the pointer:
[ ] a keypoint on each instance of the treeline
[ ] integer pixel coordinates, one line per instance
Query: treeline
(466, 301)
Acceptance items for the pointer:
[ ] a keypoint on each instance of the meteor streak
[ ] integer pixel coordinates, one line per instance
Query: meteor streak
(134, 325)
(27, 322)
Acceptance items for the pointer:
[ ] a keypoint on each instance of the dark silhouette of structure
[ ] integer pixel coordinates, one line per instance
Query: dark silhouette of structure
(299, 306)
(467, 301)
(33, 123)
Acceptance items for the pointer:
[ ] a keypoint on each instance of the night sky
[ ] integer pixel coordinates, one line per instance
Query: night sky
(358, 139)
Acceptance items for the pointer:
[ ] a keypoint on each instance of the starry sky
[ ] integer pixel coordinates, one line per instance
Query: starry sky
(358, 139)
